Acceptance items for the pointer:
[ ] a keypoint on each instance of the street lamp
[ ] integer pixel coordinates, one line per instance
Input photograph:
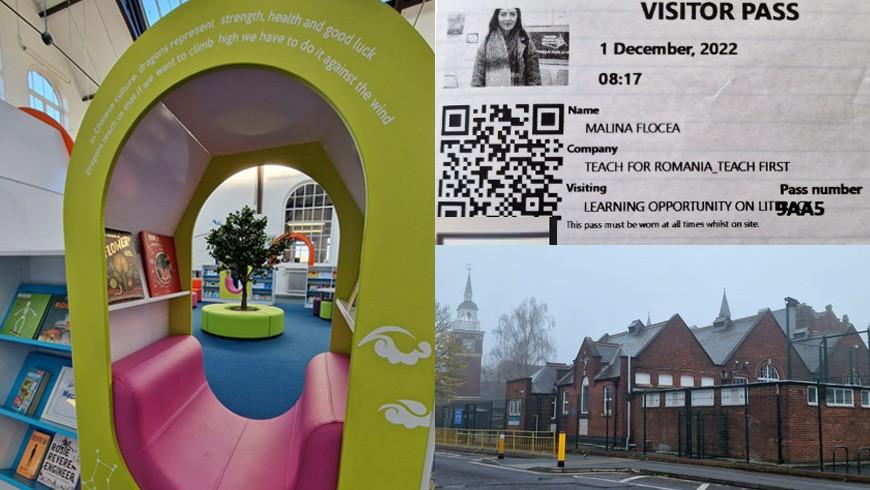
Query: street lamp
(789, 303)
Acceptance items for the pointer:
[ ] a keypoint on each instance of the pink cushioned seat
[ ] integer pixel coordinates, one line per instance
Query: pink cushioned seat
(175, 434)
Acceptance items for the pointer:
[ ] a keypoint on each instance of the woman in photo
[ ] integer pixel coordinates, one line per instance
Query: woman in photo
(507, 56)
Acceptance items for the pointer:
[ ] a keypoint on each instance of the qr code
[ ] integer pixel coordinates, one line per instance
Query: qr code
(500, 160)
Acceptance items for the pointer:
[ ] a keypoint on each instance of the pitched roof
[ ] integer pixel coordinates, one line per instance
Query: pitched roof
(544, 379)
(808, 350)
(720, 342)
(614, 347)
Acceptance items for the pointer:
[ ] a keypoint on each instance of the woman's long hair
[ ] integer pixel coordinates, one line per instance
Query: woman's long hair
(494, 25)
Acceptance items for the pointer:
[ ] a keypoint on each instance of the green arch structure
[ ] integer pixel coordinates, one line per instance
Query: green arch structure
(389, 247)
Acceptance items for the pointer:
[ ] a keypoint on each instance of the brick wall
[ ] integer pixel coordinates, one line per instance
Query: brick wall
(841, 426)
(517, 390)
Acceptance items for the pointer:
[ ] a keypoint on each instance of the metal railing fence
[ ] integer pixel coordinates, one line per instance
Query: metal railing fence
(531, 442)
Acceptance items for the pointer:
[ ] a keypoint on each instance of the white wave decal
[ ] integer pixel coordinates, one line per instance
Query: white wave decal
(410, 413)
(385, 346)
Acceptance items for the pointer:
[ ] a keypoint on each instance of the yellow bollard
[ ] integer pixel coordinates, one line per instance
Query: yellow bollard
(561, 462)
(501, 446)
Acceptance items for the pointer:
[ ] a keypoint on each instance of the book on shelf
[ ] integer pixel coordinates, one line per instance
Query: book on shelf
(123, 272)
(30, 391)
(61, 406)
(55, 328)
(25, 315)
(62, 467)
(34, 453)
(161, 266)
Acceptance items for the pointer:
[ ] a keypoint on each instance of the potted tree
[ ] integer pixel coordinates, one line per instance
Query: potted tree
(240, 247)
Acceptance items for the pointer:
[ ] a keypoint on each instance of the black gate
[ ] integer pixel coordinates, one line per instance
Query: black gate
(702, 435)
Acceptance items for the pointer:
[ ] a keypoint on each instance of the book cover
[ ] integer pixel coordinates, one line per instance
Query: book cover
(61, 469)
(30, 391)
(26, 315)
(33, 454)
(61, 408)
(122, 267)
(55, 326)
(161, 268)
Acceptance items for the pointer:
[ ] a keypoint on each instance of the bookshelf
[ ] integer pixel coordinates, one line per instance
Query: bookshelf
(147, 301)
(320, 277)
(18, 355)
(262, 287)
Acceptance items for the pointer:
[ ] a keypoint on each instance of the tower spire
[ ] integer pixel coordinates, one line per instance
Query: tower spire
(468, 292)
(724, 318)
(724, 311)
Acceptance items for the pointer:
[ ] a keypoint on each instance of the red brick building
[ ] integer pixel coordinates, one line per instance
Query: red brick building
(532, 401)
(594, 402)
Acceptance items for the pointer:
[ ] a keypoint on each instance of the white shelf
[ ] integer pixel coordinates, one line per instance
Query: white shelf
(31, 253)
(344, 308)
(147, 301)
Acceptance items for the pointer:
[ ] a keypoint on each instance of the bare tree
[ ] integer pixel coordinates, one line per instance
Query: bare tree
(522, 341)
(449, 366)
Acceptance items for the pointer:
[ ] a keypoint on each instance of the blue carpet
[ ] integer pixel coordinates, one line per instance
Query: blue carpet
(261, 379)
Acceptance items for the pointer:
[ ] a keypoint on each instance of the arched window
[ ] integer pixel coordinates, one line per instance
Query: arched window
(768, 372)
(155, 10)
(309, 211)
(44, 96)
(584, 396)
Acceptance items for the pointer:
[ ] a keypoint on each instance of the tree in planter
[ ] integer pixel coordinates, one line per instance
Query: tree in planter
(240, 247)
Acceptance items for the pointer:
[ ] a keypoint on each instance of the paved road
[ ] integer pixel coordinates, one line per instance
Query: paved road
(466, 471)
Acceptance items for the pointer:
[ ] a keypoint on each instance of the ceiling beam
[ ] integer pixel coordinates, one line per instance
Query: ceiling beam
(58, 8)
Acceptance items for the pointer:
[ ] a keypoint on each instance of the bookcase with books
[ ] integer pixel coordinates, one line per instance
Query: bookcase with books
(261, 289)
(38, 428)
(320, 283)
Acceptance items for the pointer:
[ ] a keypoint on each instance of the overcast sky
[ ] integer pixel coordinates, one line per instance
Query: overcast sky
(592, 290)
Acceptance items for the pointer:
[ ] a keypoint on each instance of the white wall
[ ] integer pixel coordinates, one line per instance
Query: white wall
(240, 190)
(22, 50)
(426, 22)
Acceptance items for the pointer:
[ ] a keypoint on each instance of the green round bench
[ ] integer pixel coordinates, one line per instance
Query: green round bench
(221, 319)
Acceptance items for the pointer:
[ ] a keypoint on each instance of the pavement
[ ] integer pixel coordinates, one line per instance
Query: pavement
(609, 472)
(454, 471)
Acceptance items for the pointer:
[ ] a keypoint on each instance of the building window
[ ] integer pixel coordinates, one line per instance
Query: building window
(687, 380)
(740, 380)
(812, 395)
(642, 379)
(702, 398)
(666, 380)
(156, 9)
(309, 211)
(564, 403)
(514, 407)
(839, 397)
(707, 381)
(43, 96)
(865, 398)
(584, 397)
(675, 399)
(468, 345)
(768, 372)
(652, 400)
(553, 408)
(608, 401)
(733, 397)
